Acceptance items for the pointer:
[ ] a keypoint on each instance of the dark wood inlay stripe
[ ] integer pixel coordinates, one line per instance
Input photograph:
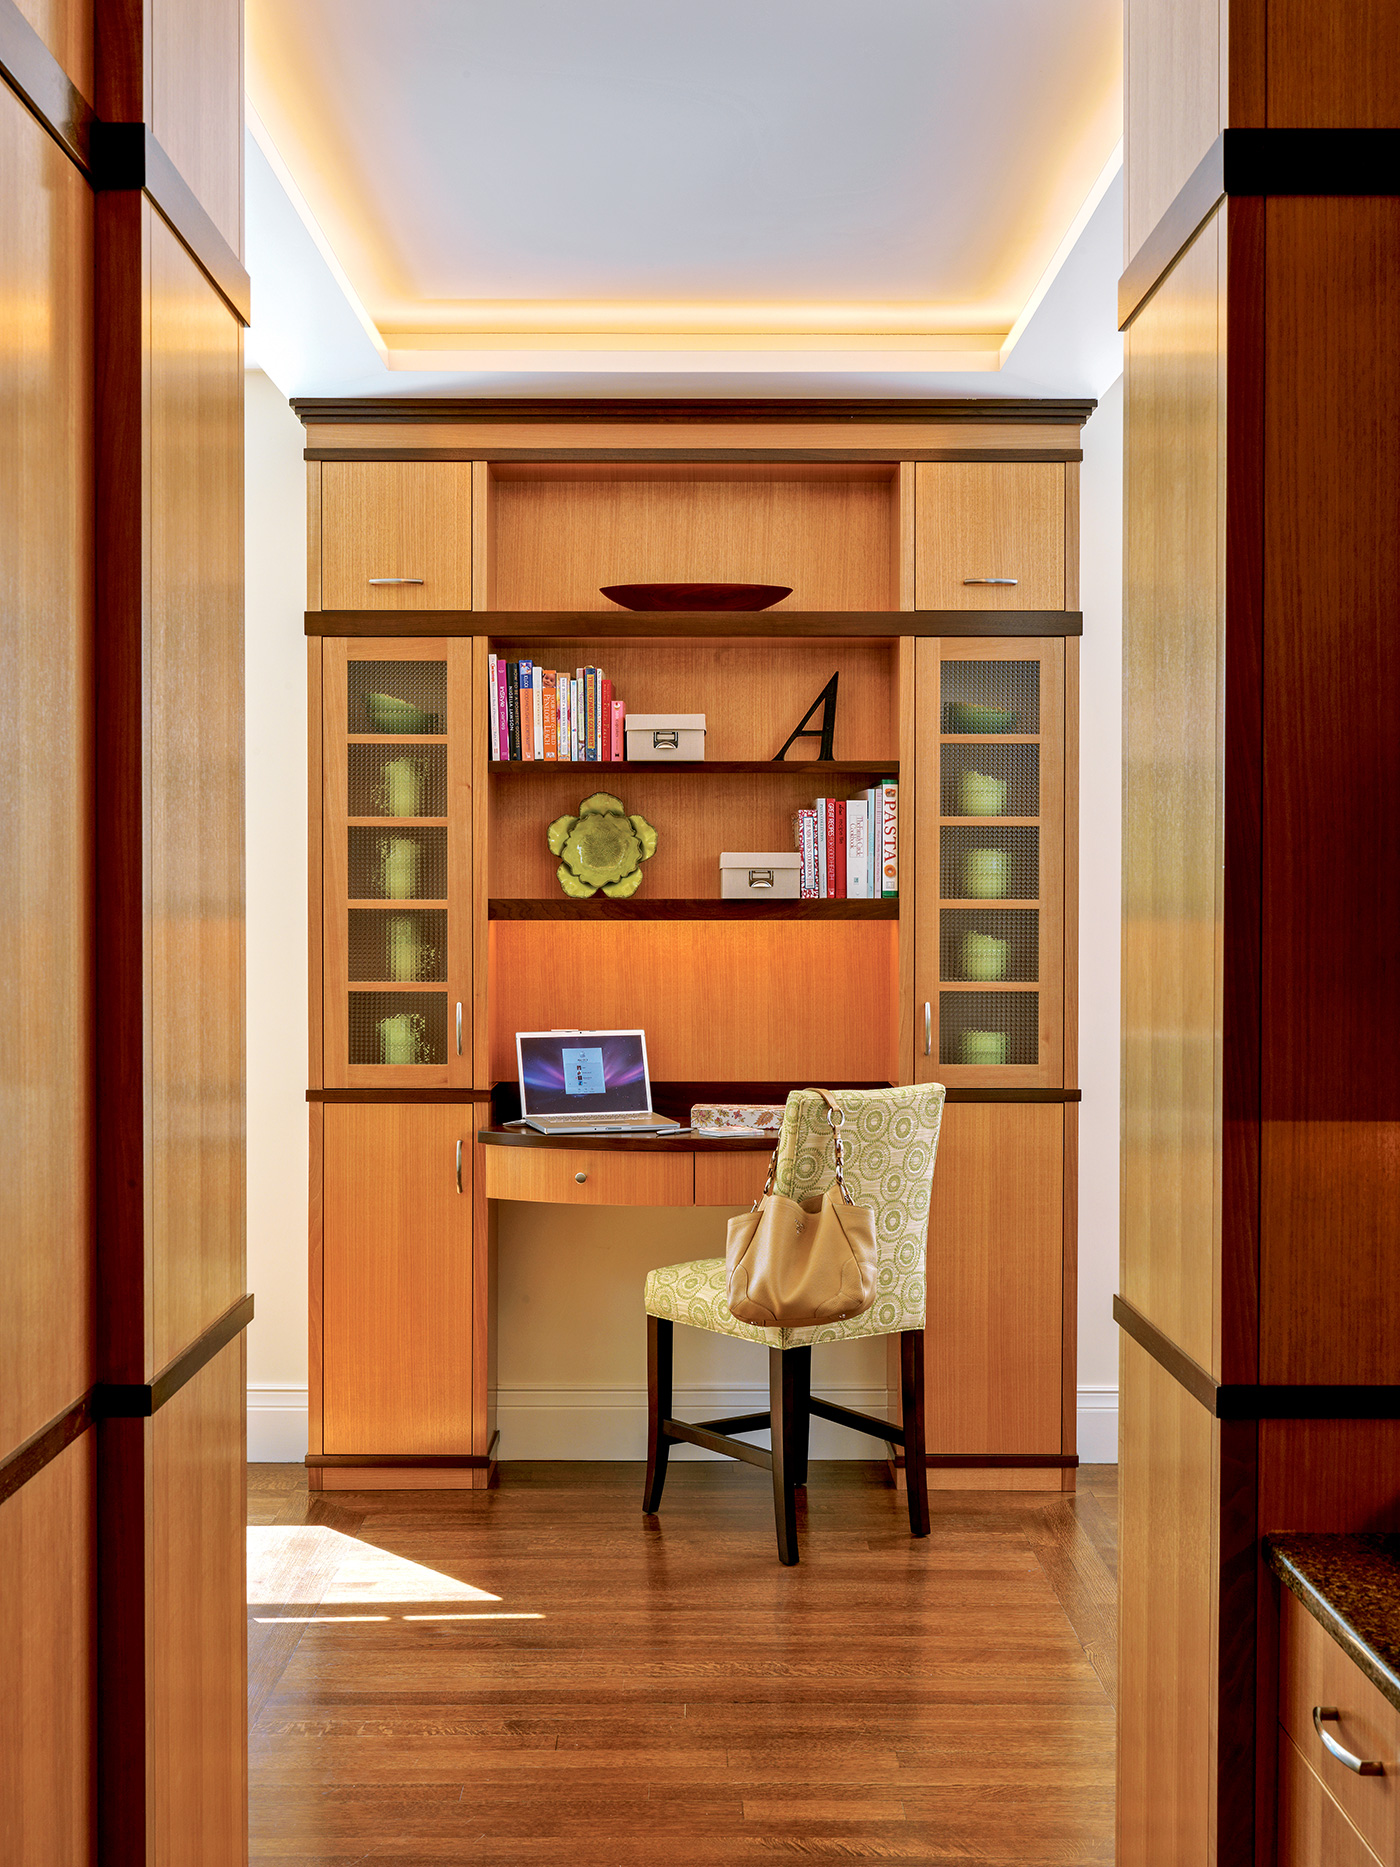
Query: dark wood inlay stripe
(42, 1448)
(1259, 162)
(1178, 1364)
(133, 1400)
(835, 455)
(538, 625)
(427, 1461)
(398, 1095)
(127, 156)
(43, 86)
(692, 409)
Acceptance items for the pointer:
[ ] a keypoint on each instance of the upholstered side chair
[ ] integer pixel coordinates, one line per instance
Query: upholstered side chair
(889, 1141)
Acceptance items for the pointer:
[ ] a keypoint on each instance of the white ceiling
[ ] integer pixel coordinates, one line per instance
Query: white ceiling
(629, 190)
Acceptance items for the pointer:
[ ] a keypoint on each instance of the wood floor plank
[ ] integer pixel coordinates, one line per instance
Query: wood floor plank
(669, 1692)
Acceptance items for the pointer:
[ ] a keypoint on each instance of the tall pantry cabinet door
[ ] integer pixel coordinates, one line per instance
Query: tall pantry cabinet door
(990, 535)
(396, 534)
(397, 1280)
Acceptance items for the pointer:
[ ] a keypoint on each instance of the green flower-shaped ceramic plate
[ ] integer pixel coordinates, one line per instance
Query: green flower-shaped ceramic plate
(602, 847)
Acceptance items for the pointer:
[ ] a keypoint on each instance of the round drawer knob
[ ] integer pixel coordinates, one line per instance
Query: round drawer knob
(580, 1177)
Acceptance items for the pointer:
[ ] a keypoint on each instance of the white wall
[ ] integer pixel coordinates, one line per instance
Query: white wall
(572, 1368)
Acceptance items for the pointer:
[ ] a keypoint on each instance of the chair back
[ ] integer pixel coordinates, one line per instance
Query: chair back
(889, 1143)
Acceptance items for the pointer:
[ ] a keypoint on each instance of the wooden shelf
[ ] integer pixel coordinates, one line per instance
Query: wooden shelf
(654, 908)
(542, 625)
(777, 768)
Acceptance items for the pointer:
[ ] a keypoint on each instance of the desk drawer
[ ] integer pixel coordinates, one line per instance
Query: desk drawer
(1313, 1670)
(730, 1179)
(589, 1176)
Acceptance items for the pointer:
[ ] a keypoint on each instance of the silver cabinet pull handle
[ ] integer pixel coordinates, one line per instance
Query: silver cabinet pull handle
(396, 580)
(459, 1027)
(459, 1166)
(1008, 580)
(580, 1177)
(1361, 1765)
(928, 1029)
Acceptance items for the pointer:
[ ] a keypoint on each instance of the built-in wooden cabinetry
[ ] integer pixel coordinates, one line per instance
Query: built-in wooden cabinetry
(1261, 1007)
(938, 581)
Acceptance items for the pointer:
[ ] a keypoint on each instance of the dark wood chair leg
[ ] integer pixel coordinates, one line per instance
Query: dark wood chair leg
(798, 1362)
(911, 1368)
(659, 1339)
(783, 1402)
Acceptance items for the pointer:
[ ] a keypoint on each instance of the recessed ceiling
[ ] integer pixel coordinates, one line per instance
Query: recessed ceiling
(840, 178)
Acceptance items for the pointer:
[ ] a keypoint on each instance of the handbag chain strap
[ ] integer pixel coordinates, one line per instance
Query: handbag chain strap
(836, 1121)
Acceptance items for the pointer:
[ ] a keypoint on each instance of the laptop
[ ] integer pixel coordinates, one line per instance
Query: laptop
(587, 1082)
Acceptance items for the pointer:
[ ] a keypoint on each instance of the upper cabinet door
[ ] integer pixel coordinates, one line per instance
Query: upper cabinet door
(396, 534)
(990, 535)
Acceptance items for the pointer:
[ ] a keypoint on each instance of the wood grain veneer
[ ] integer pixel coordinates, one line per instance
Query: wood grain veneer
(194, 102)
(983, 519)
(313, 534)
(828, 533)
(582, 1177)
(66, 28)
(1175, 64)
(1339, 70)
(46, 570)
(397, 1279)
(730, 1179)
(396, 519)
(47, 1700)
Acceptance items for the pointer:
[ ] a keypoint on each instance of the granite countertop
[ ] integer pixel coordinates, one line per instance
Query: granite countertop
(1351, 1585)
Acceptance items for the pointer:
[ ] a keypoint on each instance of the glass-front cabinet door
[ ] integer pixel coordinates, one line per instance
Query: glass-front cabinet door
(396, 863)
(990, 862)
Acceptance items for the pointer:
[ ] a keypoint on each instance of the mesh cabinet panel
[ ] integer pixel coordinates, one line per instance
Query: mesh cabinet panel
(997, 943)
(989, 1029)
(397, 865)
(397, 696)
(404, 947)
(397, 1028)
(991, 696)
(384, 779)
(990, 781)
(986, 864)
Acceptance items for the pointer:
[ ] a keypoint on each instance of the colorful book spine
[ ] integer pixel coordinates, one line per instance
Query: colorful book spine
(537, 707)
(619, 730)
(551, 715)
(492, 728)
(838, 833)
(502, 712)
(513, 708)
(527, 709)
(857, 873)
(889, 866)
(575, 713)
(605, 751)
(561, 725)
(807, 850)
(820, 832)
(590, 714)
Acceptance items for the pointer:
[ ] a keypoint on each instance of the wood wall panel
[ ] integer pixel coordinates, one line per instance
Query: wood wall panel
(46, 1664)
(828, 533)
(720, 1001)
(995, 1254)
(195, 102)
(1326, 1475)
(1330, 1151)
(1173, 805)
(1174, 101)
(196, 1617)
(1167, 1631)
(397, 1278)
(65, 26)
(46, 1306)
(1333, 67)
(193, 799)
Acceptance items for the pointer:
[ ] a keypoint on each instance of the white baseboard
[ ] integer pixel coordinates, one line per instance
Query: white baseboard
(610, 1423)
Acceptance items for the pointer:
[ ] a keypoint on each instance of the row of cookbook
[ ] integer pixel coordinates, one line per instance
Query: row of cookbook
(849, 846)
(547, 713)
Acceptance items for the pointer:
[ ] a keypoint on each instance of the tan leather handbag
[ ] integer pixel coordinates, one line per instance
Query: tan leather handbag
(795, 1263)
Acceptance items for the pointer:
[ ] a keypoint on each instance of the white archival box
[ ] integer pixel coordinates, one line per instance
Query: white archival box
(665, 735)
(759, 875)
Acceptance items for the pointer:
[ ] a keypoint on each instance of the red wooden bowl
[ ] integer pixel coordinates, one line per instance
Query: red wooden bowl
(696, 595)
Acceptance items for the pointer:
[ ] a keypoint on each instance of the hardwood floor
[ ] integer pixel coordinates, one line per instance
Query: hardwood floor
(536, 1675)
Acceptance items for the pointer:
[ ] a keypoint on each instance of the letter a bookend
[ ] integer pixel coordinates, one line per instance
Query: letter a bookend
(826, 700)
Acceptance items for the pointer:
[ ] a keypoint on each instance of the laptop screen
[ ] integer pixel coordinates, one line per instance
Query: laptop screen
(583, 1072)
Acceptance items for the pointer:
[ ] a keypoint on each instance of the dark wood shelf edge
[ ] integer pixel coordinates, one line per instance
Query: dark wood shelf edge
(727, 1093)
(692, 408)
(600, 908)
(816, 768)
(604, 625)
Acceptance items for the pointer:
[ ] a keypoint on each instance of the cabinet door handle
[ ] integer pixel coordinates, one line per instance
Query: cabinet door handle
(1361, 1765)
(459, 1027)
(396, 580)
(928, 1028)
(459, 1166)
(1008, 580)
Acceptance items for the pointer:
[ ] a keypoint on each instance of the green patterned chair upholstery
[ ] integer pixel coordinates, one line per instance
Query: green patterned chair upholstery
(890, 1142)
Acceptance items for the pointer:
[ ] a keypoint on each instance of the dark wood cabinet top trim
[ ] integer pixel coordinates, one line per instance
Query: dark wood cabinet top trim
(127, 156)
(836, 455)
(43, 86)
(1256, 1401)
(541, 625)
(690, 409)
(1259, 162)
